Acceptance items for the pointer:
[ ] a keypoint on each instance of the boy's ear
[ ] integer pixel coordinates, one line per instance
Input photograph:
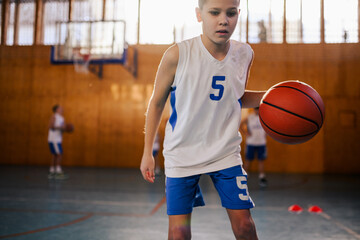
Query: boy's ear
(198, 15)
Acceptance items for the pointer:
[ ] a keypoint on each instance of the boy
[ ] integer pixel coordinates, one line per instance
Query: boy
(56, 127)
(206, 78)
(255, 144)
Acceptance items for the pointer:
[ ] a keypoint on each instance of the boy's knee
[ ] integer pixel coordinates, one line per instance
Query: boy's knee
(179, 233)
(245, 230)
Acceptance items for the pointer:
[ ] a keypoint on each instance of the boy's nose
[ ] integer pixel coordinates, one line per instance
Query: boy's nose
(224, 23)
(224, 20)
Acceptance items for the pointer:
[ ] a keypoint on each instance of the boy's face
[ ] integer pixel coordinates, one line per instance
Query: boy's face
(219, 19)
(60, 110)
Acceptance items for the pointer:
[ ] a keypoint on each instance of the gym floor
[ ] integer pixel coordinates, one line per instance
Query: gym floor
(106, 204)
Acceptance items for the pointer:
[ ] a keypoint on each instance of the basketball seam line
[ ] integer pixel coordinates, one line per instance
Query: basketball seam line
(322, 117)
(286, 135)
(295, 114)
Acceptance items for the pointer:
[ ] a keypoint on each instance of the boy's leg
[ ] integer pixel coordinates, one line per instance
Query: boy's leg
(179, 226)
(182, 195)
(53, 163)
(242, 224)
(53, 160)
(58, 168)
(231, 184)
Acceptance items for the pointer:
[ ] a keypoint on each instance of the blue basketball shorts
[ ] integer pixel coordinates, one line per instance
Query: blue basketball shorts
(155, 153)
(259, 151)
(55, 148)
(183, 194)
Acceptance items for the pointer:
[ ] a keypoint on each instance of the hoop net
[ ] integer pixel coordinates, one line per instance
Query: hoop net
(81, 60)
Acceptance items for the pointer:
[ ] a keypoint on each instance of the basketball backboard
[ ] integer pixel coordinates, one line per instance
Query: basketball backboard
(86, 43)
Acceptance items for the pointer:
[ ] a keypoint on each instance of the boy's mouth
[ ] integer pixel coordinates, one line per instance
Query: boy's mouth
(222, 32)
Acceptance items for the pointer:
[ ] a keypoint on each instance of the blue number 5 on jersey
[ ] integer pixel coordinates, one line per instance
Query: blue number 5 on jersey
(216, 85)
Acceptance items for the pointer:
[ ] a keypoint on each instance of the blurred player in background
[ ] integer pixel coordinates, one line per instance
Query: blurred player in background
(255, 144)
(56, 128)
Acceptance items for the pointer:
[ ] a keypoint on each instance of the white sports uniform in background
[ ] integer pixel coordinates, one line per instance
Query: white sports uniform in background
(55, 136)
(202, 134)
(258, 135)
(156, 146)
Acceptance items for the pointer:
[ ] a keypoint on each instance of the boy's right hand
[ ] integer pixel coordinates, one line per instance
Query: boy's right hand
(147, 168)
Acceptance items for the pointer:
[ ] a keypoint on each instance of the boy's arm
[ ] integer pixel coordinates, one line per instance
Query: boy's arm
(164, 79)
(251, 99)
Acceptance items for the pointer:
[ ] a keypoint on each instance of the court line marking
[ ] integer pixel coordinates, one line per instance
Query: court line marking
(340, 225)
(158, 206)
(324, 215)
(81, 219)
(151, 213)
(111, 203)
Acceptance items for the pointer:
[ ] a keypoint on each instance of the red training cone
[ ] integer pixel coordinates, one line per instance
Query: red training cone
(315, 209)
(295, 208)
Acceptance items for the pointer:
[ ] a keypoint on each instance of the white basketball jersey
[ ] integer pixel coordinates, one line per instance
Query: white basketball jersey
(202, 134)
(55, 136)
(258, 135)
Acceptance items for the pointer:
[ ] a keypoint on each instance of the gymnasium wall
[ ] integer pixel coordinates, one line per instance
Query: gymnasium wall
(109, 114)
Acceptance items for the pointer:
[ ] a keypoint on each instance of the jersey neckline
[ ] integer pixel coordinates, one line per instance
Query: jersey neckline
(204, 49)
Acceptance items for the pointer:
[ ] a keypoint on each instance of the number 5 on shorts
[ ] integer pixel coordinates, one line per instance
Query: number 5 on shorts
(239, 180)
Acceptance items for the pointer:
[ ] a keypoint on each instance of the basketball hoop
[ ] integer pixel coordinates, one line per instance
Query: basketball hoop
(81, 60)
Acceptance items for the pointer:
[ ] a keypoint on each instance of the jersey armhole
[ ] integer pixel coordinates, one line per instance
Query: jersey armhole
(249, 66)
(180, 65)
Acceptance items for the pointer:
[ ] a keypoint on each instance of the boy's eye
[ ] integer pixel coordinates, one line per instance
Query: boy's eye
(214, 13)
(231, 14)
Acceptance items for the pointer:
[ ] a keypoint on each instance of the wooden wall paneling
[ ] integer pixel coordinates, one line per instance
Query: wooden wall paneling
(131, 123)
(16, 74)
(350, 56)
(108, 114)
(342, 135)
(49, 81)
(108, 145)
(301, 158)
(16, 114)
(149, 57)
(332, 82)
(5, 124)
(80, 147)
(117, 73)
(39, 116)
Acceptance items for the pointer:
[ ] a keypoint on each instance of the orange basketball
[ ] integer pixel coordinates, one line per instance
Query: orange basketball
(292, 112)
(69, 127)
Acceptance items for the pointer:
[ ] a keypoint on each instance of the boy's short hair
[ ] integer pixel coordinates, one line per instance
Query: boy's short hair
(202, 2)
(55, 107)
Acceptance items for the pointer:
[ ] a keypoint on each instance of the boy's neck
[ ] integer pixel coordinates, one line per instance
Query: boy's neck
(218, 51)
